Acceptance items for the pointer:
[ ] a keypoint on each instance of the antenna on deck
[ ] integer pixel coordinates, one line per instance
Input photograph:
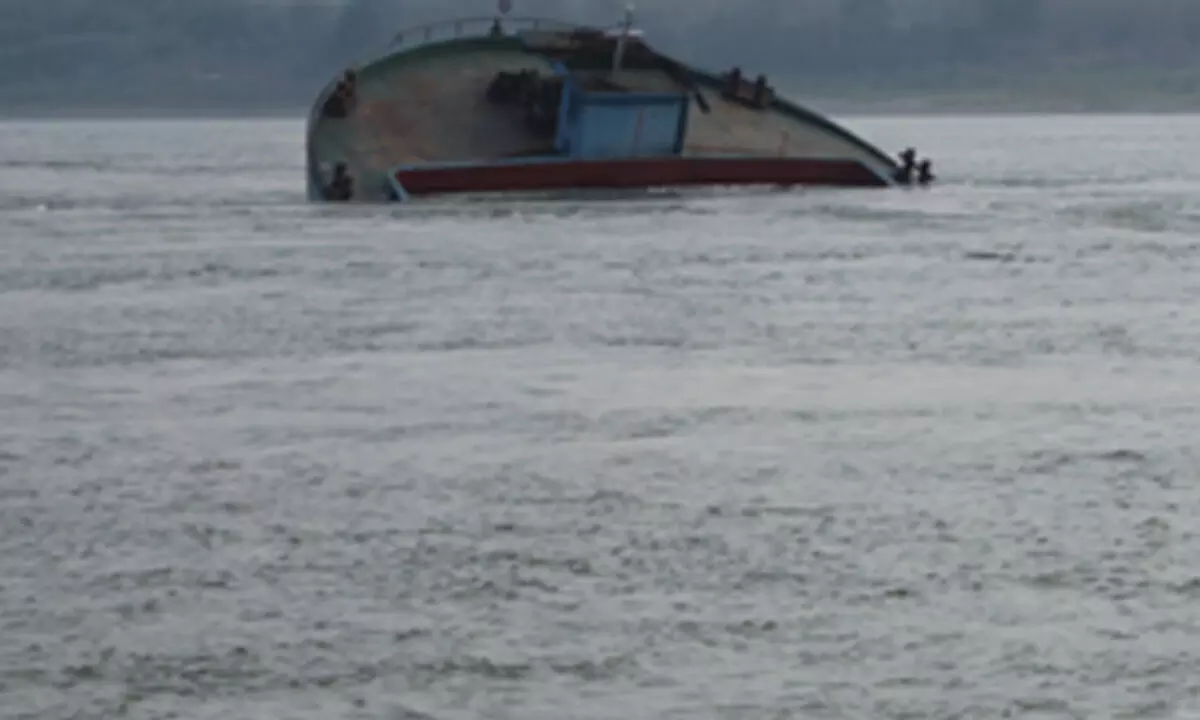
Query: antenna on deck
(626, 27)
(503, 7)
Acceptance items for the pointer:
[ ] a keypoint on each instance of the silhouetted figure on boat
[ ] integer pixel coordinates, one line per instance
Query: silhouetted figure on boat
(341, 187)
(735, 82)
(908, 162)
(339, 103)
(925, 174)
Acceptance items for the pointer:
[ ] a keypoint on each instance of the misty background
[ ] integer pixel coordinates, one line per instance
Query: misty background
(274, 55)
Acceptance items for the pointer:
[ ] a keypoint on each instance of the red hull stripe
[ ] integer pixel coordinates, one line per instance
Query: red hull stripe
(634, 173)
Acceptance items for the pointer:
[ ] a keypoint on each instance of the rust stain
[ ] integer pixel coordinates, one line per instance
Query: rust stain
(392, 131)
(421, 88)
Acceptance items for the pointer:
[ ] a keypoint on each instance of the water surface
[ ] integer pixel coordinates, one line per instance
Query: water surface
(825, 454)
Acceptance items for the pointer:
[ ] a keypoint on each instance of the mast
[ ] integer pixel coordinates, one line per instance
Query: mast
(626, 26)
(503, 7)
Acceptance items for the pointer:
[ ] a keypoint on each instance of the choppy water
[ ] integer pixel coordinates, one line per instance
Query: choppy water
(816, 455)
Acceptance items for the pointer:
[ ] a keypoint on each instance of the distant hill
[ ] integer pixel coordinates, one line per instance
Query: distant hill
(915, 55)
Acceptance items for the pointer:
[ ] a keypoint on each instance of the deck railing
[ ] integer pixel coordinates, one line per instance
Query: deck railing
(473, 27)
(441, 31)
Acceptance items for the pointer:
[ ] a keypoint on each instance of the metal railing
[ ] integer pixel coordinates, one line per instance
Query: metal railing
(474, 27)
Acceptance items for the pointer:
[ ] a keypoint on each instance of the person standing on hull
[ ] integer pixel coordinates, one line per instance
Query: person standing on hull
(341, 187)
(909, 166)
(925, 174)
(908, 162)
(343, 98)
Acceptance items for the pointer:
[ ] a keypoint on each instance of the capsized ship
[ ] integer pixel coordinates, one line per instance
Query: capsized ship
(505, 104)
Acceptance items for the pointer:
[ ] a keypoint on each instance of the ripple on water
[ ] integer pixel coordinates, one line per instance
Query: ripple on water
(817, 454)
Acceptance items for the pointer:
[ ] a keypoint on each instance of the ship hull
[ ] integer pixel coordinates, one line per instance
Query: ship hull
(428, 119)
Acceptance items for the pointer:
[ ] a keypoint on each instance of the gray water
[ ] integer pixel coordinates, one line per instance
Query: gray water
(826, 454)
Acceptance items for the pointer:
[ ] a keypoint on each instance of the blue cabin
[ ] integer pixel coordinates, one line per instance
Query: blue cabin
(597, 120)
(589, 117)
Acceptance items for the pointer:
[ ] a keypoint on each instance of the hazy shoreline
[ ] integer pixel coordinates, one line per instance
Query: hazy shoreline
(954, 94)
(233, 58)
(824, 105)
(133, 112)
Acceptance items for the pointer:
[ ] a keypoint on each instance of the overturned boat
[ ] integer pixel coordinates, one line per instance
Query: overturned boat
(504, 104)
